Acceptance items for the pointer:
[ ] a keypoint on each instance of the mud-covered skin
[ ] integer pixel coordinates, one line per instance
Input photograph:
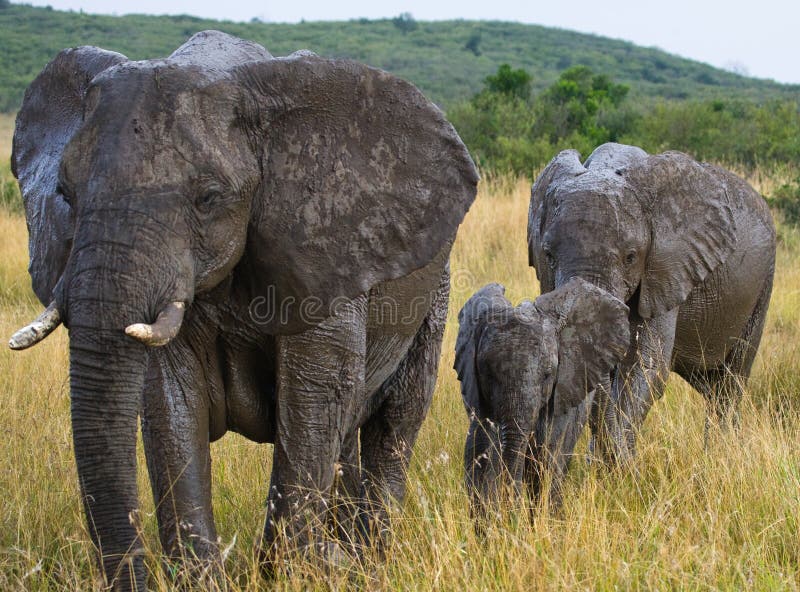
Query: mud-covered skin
(528, 375)
(270, 196)
(689, 247)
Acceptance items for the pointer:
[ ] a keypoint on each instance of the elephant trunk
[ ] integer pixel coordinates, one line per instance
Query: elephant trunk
(514, 440)
(108, 286)
(106, 380)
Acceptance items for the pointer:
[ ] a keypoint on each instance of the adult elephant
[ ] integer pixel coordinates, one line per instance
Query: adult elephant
(689, 247)
(238, 242)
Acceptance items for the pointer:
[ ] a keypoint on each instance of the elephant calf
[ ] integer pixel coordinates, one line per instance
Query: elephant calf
(527, 377)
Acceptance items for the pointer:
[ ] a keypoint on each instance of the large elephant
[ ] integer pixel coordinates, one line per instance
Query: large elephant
(273, 236)
(689, 247)
(527, 378)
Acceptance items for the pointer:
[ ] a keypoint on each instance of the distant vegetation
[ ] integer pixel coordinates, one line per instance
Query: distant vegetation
(516, 93)
(507, 128)
(447, 60)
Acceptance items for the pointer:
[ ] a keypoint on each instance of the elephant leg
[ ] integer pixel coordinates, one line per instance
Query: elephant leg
(175, 429)
(553, 448)
(388, 436)
(604, 424)
(320, 378)
(723, 386)
(482, 466)
(638, 382)
(344, 512)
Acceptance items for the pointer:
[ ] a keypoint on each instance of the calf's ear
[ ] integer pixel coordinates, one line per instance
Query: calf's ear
(472, 320)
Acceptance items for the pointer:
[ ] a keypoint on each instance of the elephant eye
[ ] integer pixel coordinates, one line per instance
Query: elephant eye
(64, 193)
(548, 255)
(208, 196)
(630, 258)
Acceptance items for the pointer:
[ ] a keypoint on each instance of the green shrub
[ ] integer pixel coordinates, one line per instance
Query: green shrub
(10, 199)
(509, 130)
(786, 199)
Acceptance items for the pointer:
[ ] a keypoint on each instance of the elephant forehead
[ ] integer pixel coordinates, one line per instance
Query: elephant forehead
(602, 211)
(146, 137)
(517, 348)
(524, 332)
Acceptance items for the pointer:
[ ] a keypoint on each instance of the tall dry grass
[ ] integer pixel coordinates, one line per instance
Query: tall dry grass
(722, 517)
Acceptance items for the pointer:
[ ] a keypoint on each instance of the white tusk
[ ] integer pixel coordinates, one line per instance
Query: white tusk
(166, 327)
(34, 332)
(140, 331)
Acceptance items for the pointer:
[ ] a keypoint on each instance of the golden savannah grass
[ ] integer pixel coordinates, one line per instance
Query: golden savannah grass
(691, 516)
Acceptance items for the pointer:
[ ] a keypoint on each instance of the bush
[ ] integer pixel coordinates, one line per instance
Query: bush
(508, 130)
(473, 43)
(405, 22)
(10, 198)
(509, 83)
(786, 199)
(741, 133)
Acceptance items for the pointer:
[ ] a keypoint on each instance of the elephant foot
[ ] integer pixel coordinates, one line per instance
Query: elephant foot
(609, 455)
(192, 572)
(326, 556)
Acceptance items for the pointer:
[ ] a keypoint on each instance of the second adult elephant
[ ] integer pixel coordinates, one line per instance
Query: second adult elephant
(273, 236)
(689, 247)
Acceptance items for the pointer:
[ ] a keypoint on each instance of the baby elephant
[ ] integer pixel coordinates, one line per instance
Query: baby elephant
(528, 375)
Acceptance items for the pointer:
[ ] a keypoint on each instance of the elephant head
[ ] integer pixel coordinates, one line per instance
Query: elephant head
(150, 184)
(646, 228)
(523, 369)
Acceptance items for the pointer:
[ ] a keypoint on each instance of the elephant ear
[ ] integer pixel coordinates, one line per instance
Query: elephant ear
(472, 320)
(693, 228)
(51, 112)
(565, 166)
(363, 179)
(593, 337)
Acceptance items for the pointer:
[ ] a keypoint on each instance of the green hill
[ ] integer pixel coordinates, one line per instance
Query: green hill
(447, 60)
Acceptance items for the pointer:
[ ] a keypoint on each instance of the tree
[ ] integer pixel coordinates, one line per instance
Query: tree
(405, 22)
(508, 82)
(473, 43)
(576, 103)
(506, 129)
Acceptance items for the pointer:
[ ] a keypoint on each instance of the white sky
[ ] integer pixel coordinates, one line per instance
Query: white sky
(757, 37)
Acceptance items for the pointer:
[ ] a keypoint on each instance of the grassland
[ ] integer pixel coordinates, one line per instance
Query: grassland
(725, 516)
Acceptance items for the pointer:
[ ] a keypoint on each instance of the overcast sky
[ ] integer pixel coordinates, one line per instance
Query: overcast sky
(757, 37)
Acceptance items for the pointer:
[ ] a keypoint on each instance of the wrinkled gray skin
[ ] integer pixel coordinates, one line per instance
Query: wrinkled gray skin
(689, 247)
(528, 375)
(240, 185)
